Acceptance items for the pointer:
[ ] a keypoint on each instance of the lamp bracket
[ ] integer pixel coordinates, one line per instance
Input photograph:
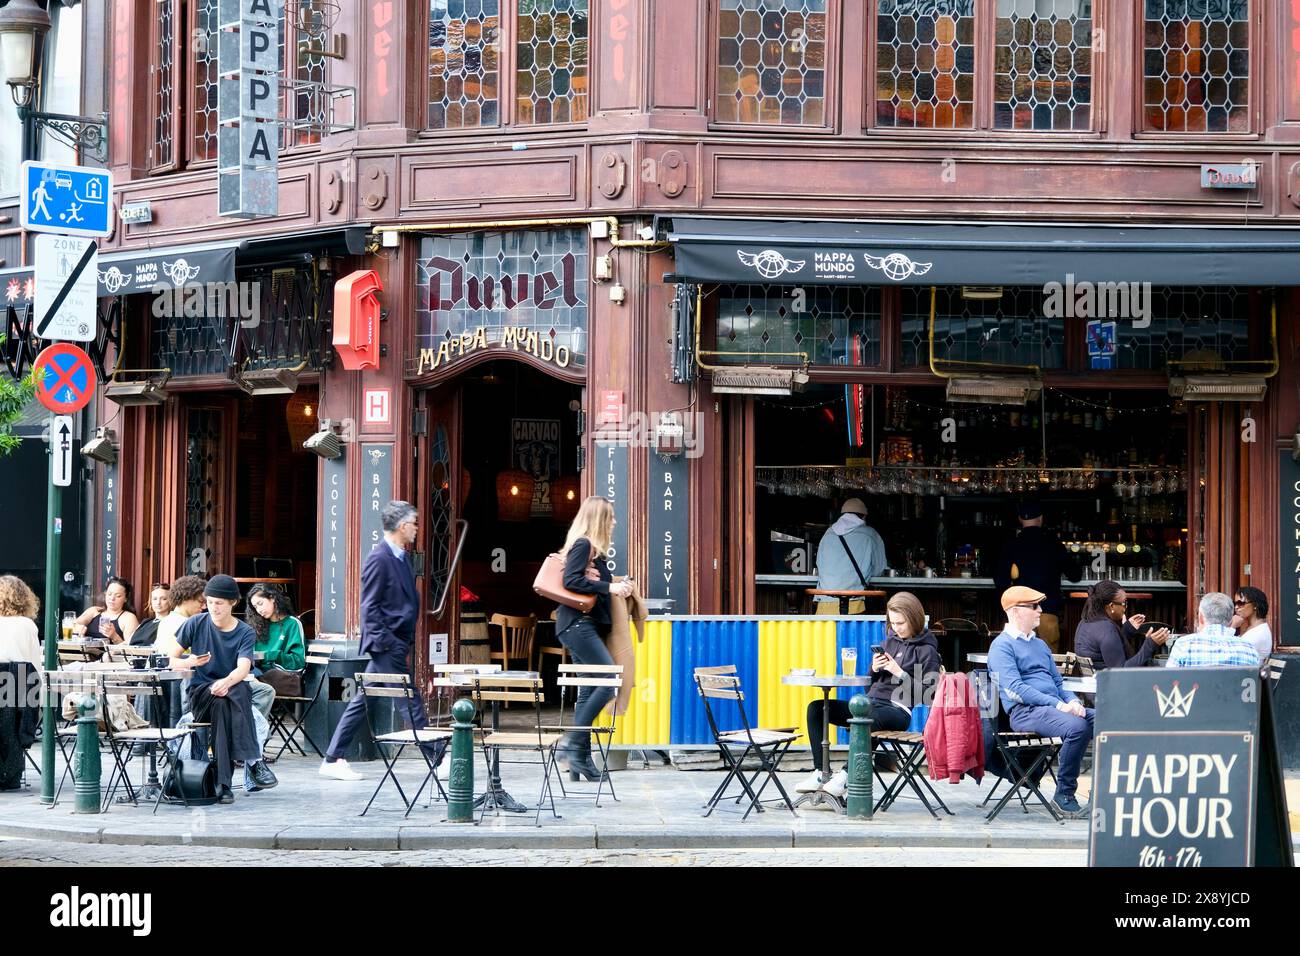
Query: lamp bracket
(87, 134)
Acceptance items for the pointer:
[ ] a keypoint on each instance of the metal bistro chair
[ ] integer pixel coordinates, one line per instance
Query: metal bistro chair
(589, 676)
(399, 687)
(155, 738)
(60, 684)
(908, 750)
(487, 688)
(297, 709)
(1019, 758)
(768, 745)
(447, 686)
(1273, 671)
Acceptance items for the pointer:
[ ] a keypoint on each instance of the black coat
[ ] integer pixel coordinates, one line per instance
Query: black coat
(20, 714)
(575, 579)
(1108, 646)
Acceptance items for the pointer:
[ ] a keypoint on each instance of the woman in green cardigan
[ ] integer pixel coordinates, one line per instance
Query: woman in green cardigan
(279, 633)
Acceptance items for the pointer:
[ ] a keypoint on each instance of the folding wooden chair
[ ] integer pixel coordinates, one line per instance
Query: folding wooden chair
(158, 738)
(489, 688)
(399, 687)
(592, 676)
(908, 750)
(288, 709)
(1019, 758)
(517, 637)
(768, 745)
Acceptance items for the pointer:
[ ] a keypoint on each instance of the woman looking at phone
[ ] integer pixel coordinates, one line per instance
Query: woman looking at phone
(908, 653)
(112, 618)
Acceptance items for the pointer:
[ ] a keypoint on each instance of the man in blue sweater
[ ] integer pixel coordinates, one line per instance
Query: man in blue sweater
(1036, 700)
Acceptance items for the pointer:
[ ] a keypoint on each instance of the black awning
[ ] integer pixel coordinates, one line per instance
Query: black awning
(126, 273)
(885, 253)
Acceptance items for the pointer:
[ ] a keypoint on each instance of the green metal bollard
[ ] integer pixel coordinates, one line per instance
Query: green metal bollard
(860, 757)
(460, 782)
(87, 756)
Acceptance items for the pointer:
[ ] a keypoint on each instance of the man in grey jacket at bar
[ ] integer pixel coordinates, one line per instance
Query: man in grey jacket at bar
(849, 555)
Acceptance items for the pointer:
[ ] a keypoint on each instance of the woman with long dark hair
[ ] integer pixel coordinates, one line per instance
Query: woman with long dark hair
(112, 617)
(584, 633)
(279, 634)
(1109, 636)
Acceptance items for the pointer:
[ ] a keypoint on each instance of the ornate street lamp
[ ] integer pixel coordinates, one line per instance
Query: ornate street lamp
(23, 25)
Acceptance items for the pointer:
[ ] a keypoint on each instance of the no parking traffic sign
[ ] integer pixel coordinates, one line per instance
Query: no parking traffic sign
(65, 378)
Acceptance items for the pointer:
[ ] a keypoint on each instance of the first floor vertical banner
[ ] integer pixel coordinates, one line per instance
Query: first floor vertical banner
(1287, 601)
(611, 484)
(377, 491)
(333, 548)
(109, 536)
(669, 529)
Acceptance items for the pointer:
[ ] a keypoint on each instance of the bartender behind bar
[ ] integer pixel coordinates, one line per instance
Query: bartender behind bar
(1035, 558)
(849, 555)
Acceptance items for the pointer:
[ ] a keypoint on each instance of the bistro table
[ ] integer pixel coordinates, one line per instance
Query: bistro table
(495, 795)
(827, 682)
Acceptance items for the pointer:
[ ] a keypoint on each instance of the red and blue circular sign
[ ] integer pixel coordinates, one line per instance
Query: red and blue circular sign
(65, 378)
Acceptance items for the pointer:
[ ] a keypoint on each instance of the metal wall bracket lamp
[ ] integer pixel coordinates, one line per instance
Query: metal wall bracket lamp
(23, 26)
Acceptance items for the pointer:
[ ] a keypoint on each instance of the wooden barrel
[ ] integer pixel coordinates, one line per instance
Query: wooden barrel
(474, 637)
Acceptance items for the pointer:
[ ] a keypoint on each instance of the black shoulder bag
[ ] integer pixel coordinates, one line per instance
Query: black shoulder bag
(849, 552)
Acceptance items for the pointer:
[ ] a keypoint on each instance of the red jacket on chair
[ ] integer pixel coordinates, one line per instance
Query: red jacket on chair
(954, 736)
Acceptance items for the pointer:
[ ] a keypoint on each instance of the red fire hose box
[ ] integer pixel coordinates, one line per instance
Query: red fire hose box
(356, 320)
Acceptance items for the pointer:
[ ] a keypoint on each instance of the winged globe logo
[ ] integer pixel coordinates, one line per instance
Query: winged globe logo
(114, 279)
(769, 263)
(897, 266)
(180, 271)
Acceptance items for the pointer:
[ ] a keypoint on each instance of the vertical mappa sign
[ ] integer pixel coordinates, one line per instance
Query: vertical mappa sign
(333, 545)
(248, 107)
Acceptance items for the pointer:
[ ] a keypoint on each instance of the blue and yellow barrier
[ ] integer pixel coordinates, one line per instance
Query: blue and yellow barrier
(666, 711)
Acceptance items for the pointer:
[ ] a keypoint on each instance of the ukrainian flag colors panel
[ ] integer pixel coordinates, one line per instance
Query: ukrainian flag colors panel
(709, 643)
(649, 711)
(859, 635)
(783, 645)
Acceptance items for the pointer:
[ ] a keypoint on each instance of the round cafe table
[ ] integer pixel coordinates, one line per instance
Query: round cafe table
(827, 683)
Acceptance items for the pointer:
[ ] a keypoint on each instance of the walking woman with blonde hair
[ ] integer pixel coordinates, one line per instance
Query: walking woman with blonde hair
(583, 635)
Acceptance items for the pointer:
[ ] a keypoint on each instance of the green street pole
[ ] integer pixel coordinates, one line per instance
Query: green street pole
(460, 782)
(860, 797)
(53, 538)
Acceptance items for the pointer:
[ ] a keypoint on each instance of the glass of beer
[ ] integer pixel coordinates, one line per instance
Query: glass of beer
(849, 661)
(69, 619)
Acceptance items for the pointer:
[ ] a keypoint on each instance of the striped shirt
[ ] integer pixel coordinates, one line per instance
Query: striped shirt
(1216, 646)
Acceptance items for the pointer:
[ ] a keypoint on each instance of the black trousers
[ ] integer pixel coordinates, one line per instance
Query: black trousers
(354, 717)
(232, 734)
(884, 716)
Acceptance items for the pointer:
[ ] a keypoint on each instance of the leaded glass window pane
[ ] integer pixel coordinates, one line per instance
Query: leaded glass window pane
(309, 103)
(1043, 65)
(205, 80)
(1010, 330)
(833, 325)
(551, 61)
(1188, 323)
(464, 63)
(164, 149)
(925, 64)
(772, 62)
(1196, 66)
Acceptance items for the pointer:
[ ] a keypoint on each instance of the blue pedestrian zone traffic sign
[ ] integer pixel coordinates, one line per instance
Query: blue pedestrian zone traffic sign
(69, 200)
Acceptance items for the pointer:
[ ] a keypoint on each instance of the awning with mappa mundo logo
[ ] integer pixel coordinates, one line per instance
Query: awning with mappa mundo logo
(126, 273)
(783, 252)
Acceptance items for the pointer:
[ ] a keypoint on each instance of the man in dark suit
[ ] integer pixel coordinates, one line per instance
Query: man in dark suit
(390, 608)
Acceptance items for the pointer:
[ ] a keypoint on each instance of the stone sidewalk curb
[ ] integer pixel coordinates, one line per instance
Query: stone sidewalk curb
(735, 835)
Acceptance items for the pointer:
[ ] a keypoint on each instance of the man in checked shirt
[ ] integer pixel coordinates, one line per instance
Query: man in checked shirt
(1215, 643)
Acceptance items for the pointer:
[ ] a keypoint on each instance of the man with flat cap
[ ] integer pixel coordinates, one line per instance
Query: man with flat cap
(849, 555)
(1031, 689)
(1036, 559)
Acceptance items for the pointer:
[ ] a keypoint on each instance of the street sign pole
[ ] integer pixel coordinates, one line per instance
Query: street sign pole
(53, 561)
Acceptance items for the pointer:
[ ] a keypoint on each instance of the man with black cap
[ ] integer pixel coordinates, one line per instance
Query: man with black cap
(1036, 559)
(221, 657)
(849, 555)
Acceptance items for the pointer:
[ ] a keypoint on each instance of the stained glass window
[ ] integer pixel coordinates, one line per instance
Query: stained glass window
(925, 64)
(1187, 323)
(1010, 330)
(464, 63)
(1196, 65)
(162, 81)
(1043, 65)
(772, 62)
(309, 33)
(524, 291)
(551, 61)
(205, 80)
(832, 325)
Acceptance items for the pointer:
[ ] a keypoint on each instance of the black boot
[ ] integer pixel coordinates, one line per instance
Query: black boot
(580, 761)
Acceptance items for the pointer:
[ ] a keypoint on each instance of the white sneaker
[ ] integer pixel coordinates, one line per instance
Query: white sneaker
(838, 784)
(809, 784)
(339, 770)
